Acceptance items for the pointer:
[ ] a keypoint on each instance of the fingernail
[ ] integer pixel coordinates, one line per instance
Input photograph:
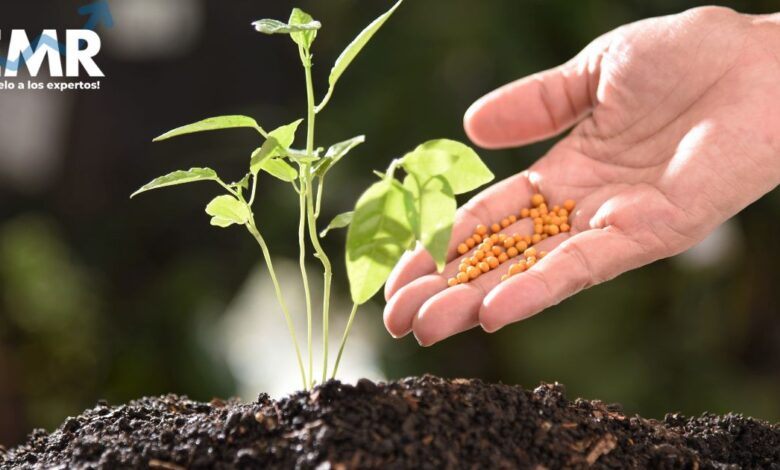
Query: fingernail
(421, 342)
(489, 329)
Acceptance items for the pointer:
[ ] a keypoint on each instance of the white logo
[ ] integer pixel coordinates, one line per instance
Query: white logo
(78, 52)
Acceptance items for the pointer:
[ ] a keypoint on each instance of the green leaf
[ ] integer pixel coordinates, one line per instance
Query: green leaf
(466, 173)
(275, 145)
(270, 26)
(226, 210)
(280, 169)
(377, 237)
(302, 156)
(242, 183)
(427, 163)
(179, 177)
(340, 221)
(212, 124)
(335, 153)
(435, 207)
(357, 44)
(302, 38)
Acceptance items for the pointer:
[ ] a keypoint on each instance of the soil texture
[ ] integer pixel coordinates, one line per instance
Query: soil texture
(421, 422)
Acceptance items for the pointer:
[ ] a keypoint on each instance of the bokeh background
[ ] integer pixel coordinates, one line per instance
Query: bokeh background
(103, 297)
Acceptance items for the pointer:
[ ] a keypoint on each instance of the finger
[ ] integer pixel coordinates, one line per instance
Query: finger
(402, 307)
(585, 259)
(456, 309)
(448, 313)
(535, 107)
(489, 206)
(409, 299)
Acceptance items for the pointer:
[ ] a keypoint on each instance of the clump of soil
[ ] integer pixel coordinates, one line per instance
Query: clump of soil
(424, 422)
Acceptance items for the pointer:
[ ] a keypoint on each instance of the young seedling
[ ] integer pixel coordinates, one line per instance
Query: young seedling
(389, 218)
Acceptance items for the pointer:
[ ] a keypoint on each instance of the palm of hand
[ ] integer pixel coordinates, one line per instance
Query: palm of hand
(675, 139)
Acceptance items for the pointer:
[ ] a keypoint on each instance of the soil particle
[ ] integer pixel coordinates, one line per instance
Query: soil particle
(424, 422)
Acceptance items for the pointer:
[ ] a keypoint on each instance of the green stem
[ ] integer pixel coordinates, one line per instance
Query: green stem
(320, 184)
(312, 222)
(328, 275)
(304, 274)
(324, 101)
(344, 339)
(254, 191)
(310, 115)
(267, 256)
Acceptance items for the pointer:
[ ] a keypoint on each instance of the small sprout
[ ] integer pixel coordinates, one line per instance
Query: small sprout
(369, 251)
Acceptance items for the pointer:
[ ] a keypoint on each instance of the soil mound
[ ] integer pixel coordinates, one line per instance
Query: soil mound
(421, 422)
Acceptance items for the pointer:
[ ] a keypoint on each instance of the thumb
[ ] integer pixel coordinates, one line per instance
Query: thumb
(535, 107)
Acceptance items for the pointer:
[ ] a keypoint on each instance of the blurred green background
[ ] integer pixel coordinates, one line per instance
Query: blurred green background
(101, 297)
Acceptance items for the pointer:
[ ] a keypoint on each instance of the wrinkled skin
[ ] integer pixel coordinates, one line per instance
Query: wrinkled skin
(676, 129)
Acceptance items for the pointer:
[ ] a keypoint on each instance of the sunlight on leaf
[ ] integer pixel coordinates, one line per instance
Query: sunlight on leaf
(271, 26)
(179, 177)
(212, 124)
(280, 169)
(354, 48)
(302, 38)
(226, 210)
(340, 221)
(335, 153)
(275, 145)
(466, 173)
(377, 237)
(435, 209)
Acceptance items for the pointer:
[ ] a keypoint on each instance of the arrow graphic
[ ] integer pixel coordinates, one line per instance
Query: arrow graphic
(98, 13)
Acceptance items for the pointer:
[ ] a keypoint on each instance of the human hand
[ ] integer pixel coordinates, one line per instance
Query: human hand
(677, 129)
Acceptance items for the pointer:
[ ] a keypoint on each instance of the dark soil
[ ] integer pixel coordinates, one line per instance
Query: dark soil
(413, 423)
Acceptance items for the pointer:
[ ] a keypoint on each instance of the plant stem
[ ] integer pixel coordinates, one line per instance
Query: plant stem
(344, 340)
(320, 184)
(254, 191)
(328, 275)
(267, 256)
(310, 115)
(312, 222)
(304, 274)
